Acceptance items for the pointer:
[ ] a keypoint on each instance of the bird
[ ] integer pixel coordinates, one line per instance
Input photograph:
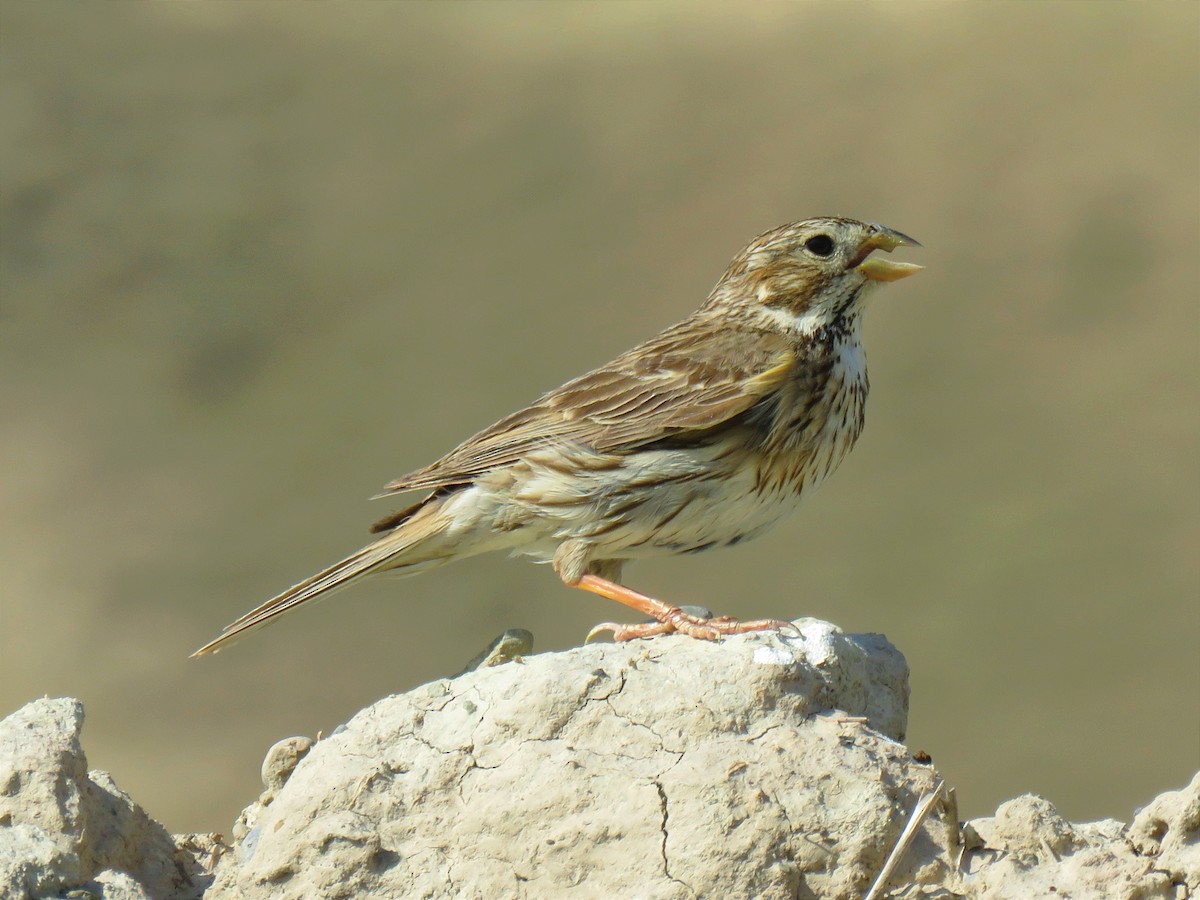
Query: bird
(703, 436)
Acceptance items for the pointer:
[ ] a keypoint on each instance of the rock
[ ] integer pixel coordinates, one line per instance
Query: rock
(1028, 850)
(760, 766)
(766, 765)
(512, 644)
(32, 864)
(1168, 831)
(282, 760)
(65, 829)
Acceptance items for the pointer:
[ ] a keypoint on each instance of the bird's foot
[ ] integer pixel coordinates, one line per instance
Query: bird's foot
(667, 618)
(676, 620)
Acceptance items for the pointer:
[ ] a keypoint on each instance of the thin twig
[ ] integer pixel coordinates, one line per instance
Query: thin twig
(919, 814)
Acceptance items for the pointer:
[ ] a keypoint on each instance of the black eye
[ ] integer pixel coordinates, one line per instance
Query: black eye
(819, 245)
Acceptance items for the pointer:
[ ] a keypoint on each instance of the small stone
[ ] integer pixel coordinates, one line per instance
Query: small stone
(513, 644)
(282, 759)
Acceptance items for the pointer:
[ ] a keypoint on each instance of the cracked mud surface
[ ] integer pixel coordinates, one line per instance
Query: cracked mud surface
(761, 766)
(764, 766)
(669, 769)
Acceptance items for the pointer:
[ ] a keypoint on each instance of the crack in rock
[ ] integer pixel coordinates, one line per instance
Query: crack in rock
(665, 817)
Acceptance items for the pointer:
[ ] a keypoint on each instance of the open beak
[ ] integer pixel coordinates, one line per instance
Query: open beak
(877, 269)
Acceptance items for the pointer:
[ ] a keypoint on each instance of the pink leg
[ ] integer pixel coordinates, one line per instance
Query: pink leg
(668, 618)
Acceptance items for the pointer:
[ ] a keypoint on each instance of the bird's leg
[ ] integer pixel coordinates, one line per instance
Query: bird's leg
(667, 618)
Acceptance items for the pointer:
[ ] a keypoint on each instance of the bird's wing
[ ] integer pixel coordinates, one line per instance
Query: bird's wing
(687, 379)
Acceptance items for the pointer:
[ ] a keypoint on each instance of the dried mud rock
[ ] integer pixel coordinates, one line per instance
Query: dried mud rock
(1168, 832)
(63, 828)
(764, 766)
(1028, 850)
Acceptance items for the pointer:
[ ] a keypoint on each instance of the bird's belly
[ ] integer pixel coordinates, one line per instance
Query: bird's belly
(656, 502)
(721, 514)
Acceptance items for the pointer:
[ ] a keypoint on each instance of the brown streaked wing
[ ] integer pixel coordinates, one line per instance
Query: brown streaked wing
(683, 380)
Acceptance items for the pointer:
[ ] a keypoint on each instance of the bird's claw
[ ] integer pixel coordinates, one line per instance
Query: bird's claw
(789, 628)
(676, 620)
(629, 632)
(597, 630)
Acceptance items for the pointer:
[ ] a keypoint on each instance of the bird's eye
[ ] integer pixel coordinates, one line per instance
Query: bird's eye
(819, 245)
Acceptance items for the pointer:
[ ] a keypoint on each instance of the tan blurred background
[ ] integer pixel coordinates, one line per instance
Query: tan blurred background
(259, 259)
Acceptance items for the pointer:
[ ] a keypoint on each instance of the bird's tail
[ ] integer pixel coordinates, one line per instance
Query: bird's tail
(406, 547)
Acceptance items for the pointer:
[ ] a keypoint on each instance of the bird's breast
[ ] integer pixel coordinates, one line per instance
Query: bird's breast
(817, 419)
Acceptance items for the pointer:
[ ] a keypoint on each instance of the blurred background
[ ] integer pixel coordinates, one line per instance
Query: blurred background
(259, 259)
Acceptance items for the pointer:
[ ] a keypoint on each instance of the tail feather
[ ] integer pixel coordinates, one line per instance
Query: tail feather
(393, 551)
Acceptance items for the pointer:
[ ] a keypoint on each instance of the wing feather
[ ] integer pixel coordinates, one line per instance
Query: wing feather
(681, 381)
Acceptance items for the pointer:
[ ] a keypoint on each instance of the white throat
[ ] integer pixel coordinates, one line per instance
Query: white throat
(809, 322)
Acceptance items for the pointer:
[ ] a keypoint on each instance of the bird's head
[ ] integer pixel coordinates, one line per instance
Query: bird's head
(812, 274)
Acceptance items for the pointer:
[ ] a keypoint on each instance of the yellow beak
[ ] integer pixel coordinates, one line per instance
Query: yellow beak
(887, 240)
